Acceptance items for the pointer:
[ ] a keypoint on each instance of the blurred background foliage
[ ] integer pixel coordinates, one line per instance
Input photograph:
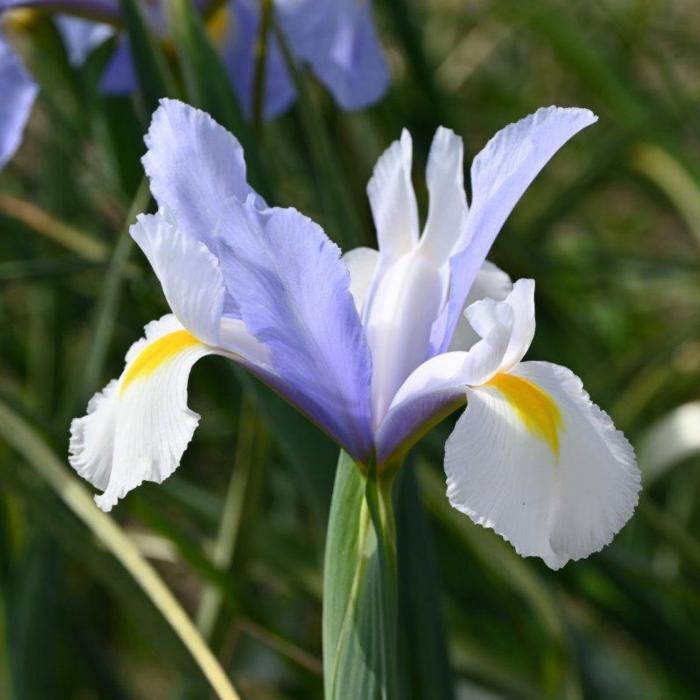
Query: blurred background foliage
(611, 233)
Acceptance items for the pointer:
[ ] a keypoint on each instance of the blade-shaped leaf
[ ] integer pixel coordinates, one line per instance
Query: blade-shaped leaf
(425, 671)
(151, 69)
(23, 438)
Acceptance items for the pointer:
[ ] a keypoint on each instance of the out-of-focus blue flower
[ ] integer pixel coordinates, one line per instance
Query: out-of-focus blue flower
(17, 94)
(81, 36)
(367, 346)
(336, 39)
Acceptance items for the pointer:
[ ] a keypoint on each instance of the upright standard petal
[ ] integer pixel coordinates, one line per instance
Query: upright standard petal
(137, 428)
(447, 212)
(399, 314)
(500, 175)
(195, 166)
(18, 94)
(393, 200)
(534, 459)
(293, 293)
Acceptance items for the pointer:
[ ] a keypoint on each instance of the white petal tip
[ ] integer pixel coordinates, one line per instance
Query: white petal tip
(105, 502)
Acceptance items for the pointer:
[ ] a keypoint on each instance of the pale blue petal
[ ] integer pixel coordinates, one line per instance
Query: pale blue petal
(403, 425)
(195, 166)
(81, 36)
(336, 39)
(119, 77)
(353, 69)
(500, 175)
(293, 292)
(18, 92)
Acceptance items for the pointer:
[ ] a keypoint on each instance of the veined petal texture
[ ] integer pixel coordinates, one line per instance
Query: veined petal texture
(195, 166)
(188, 272)
(542, 465)
(293, 293)
(137, 428)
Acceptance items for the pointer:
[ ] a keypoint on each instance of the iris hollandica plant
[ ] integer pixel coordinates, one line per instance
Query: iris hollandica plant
(374, 346)
(369, 347)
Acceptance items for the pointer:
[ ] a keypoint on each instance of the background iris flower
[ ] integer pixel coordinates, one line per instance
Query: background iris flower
(18, 92)
(335, 39)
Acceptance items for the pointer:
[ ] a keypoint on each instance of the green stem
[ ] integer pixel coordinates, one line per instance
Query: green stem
(260, 66)
(360, 603)
(381, 510)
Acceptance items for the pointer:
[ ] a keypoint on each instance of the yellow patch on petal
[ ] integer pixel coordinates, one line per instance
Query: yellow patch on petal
(156, 354)
(534, 406)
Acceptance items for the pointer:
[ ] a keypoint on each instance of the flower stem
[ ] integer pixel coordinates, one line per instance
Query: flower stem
(381, 509)
(360, 604)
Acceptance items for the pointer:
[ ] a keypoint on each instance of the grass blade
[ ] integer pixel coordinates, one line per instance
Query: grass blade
(422, 637)
(106, 307)
(333, 189)
(22, 437)
(151, 69)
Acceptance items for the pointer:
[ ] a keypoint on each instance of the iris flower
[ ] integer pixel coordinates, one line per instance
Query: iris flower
(374, 347)
(18, 92)
(336, 39)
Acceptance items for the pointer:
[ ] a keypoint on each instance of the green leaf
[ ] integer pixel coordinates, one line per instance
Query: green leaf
(330, 179)
(360, 596)
(209, 85)
(308, 451)
(26, 441)
(423, 646)
(105, 313)
(151, 69)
